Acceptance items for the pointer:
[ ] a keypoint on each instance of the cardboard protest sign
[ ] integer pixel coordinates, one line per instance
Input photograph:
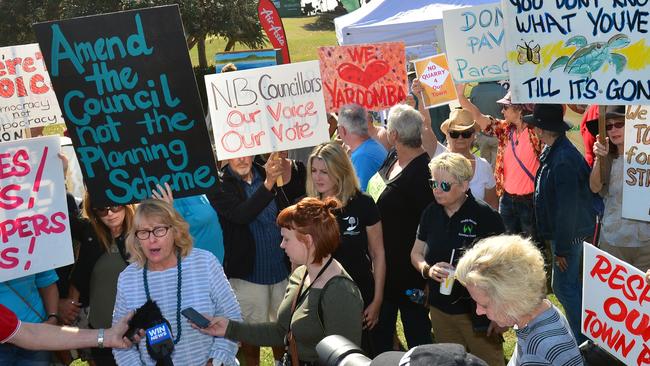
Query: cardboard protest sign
(130, 101)
(616, 306)
(269, 109)
(371, 75)
(249, 59)
(26, 96)
(475, 43)
(636, 163)
(437, 84)
(34, 225)
(591, 52)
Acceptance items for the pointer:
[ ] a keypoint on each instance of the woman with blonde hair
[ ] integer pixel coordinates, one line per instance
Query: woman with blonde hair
(447, 227)
(505, 276)
(166, 268)
(361, 251)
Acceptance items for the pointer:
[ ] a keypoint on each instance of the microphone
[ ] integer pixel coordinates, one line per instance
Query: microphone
(160, 344)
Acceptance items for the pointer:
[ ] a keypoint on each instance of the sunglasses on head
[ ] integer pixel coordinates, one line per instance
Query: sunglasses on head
(456, 134)
(619, 124)
(444, 186)
(103, 211)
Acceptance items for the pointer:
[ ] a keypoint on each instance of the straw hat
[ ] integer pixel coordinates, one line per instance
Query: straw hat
(459, 120)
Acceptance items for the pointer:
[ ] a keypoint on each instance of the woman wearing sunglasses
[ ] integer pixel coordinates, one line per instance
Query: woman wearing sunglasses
(166, 268)
(460, 129)
(102, 256)
(448, 227)
(626, 239)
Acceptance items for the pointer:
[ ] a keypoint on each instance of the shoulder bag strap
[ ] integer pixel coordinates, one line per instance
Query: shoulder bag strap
(521, 164)
(25, 301)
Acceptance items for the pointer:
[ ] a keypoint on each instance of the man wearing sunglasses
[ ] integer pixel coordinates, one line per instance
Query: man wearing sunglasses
(563, 207)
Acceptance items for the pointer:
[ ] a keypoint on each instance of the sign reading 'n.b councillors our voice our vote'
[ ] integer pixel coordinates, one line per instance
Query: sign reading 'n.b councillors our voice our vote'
(475, 43)
(26, 96)
(588, 51)
(267, 109)
(129, 97)
(34, 226)
(616, 306)
(636, 163)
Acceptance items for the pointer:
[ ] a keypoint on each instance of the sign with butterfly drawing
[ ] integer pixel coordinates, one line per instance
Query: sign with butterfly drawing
(435, 78)
(578, 51)
(371, 75)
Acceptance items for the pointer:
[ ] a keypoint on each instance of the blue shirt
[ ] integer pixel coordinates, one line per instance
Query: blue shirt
(269, 265)
(367, 158)
(27, 287)
(204, 223)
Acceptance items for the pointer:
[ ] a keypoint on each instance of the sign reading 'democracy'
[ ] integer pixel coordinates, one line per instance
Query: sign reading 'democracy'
(475, 43)
(636, 181)
(267, 109)
(34, 226)
(130, 101)
(586, 51)
(437, 84)
(26, 95)
(371, 75)
(616, 306)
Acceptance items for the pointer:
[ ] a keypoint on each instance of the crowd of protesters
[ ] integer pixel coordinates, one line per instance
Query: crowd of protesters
(285, 252)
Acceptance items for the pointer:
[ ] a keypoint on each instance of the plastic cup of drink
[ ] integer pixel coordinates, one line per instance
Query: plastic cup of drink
(448, 283)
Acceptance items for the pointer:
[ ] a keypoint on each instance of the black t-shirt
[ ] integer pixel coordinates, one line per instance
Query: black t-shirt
(401, 204)
(352, 253)
(473, 221)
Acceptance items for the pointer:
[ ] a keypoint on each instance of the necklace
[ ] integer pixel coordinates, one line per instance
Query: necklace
(178, 292)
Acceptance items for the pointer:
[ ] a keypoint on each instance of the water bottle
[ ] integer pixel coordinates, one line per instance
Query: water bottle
(416, 295)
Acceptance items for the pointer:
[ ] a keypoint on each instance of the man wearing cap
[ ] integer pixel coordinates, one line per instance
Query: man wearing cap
(563, 207)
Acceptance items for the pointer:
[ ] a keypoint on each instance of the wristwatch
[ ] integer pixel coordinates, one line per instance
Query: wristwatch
(100, 338)
(54, 315)
(425, 271)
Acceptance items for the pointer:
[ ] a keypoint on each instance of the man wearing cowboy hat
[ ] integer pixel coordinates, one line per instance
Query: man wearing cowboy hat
(563, 207)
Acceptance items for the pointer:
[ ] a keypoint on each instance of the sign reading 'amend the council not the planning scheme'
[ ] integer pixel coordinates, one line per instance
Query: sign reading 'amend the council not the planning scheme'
(578, 51)
(130, 101)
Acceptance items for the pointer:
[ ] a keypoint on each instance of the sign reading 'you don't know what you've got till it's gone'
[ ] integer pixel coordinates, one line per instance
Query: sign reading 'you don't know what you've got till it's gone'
(129, 98)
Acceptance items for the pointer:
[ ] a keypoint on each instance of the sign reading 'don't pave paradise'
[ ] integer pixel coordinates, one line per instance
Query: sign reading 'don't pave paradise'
(636, 163)
(267, 109)
(437, 84)
(130, 101)
(587, 51)
(371, 75)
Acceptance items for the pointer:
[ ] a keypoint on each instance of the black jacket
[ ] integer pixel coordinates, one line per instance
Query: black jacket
(236, 212)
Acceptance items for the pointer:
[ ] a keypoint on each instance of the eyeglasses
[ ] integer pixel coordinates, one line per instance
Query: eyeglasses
(456, 134)
(444, 186)
(619, 124)
(158, 232)
(103, 211)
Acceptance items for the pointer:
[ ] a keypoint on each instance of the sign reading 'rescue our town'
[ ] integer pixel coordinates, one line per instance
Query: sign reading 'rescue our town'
(268, 109)
(129, 98)
(34, 225)
(26, 96)
(636, 163)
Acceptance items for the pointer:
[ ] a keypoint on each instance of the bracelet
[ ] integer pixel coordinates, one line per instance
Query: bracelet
(100, 338)
(425, 271)
(54, 315)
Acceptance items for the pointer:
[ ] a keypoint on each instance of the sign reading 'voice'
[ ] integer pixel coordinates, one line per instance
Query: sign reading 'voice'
(129, 98)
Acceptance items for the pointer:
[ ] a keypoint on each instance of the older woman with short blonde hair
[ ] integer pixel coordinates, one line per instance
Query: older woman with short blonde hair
(167, 269)
(448, 227)
(505, 276)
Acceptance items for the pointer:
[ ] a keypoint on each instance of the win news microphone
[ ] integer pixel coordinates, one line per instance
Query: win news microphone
(160, 343)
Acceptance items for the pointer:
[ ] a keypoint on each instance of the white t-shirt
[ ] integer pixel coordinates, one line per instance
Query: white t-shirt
(483, 178)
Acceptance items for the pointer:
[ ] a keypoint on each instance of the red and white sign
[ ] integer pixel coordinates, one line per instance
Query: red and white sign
(616, 306)
(272, 25)
(34, 225)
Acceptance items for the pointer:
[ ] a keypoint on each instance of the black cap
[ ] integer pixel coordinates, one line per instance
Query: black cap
(441, 354)
(612, 111)
(549, 117)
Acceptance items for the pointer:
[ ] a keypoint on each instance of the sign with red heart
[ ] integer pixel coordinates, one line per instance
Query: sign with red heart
(371, 75)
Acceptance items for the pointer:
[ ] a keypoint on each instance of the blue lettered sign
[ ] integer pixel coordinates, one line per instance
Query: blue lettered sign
(125, 84)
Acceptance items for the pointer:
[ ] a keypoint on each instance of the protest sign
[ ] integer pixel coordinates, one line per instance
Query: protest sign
(130, 101)
(566, 51)
(371, 75)
(34, 225)
(636, 163)
(615, 306)
(437, 84)
(249, 59)
(26, 96)
(269, 109)
(475, 42)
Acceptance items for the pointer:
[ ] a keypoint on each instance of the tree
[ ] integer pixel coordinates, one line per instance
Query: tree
(17, 17)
